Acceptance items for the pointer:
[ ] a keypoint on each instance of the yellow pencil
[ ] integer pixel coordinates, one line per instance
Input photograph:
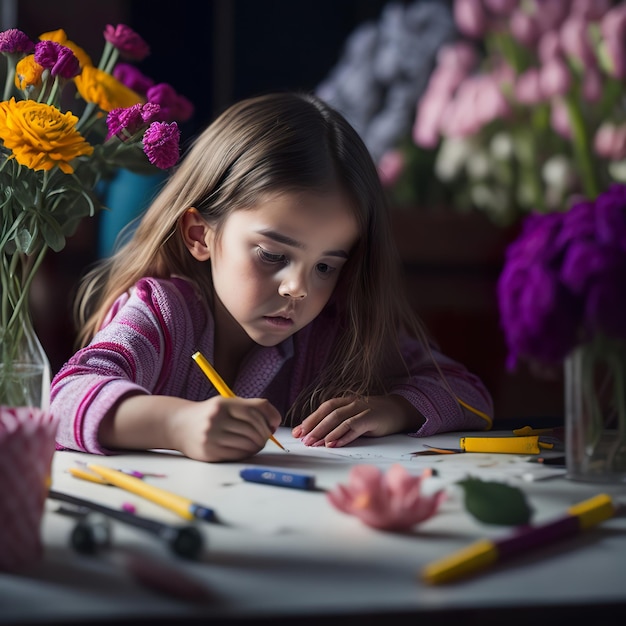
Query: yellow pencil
(184, 507)
(223, 389)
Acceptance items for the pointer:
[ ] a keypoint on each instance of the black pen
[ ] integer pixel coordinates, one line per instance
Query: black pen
(185, 541)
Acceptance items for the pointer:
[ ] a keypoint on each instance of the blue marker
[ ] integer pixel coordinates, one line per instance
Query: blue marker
(274, 477)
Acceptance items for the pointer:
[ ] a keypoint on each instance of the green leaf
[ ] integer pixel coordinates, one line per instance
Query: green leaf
(496, 503)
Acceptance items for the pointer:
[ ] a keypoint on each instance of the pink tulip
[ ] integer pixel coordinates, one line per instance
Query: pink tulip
(555, 77)
(575, 41)
(610, 141)
(528, 87)
(390, 167)
(459, 54)
(470, 17)
(391, 501)
(613, 29)
(525, 27)
(559, 118)
(501, 7)
(549, 46)
(550, 13)
(592, 85)
(591, 9)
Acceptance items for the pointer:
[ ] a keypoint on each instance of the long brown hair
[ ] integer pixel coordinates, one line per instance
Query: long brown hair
(272, 143)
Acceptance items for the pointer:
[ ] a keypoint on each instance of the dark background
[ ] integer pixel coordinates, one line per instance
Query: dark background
(218, 51)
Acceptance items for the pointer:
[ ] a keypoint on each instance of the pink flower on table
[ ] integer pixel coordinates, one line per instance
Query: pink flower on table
(130, 45)
(161, 144)
(391, 501)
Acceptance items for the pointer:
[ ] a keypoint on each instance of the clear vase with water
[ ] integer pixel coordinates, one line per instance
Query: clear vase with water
(595, 412)
(24, 366)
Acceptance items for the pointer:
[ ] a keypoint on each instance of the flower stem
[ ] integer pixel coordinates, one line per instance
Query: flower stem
(582, 147)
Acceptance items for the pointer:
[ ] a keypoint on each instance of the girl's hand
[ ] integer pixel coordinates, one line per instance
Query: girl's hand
(340, 421)
(217, 429)
(224, 429)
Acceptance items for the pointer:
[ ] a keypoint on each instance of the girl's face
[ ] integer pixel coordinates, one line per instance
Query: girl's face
(276, 264)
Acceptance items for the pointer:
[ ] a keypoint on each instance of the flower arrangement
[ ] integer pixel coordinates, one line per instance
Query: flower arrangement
(524, 110)
(52, 157)
(562, 297)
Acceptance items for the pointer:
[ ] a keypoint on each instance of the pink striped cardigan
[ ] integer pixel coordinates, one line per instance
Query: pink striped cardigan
(149, 336)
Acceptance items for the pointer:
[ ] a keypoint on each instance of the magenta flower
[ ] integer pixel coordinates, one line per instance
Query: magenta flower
(125, 122)
(133, 78)
(174, 107)
(130, 45)
(56, 58)
(14, 41)
(391, 501)
(161, 144)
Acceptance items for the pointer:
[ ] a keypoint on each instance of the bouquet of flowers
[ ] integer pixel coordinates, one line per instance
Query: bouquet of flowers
(51, 157)
(525, 110)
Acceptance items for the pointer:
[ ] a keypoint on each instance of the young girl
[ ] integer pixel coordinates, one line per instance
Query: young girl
(270, 251)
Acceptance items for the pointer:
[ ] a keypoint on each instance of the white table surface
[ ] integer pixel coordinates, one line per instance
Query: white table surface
(280, 555)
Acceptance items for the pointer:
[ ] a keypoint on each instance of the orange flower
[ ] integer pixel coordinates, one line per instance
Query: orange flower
(60, 37)
(102, 89)
(28, 74)
(40, 136)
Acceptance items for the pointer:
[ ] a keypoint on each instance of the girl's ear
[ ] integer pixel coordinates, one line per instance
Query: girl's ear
(197, 234)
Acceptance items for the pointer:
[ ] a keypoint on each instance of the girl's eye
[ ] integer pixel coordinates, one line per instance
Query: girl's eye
(268, 257)
(325, 270)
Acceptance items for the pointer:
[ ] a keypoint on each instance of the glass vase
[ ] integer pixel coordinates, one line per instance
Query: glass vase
(595, 412)
(24, 366)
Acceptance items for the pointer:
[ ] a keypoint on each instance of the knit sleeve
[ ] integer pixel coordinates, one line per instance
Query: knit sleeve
(132, 353)
(448, 396)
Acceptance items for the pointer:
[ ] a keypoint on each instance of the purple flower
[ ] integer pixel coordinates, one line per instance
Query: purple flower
(130, 45)
(605, 304)
(133, 78)
(564, 279)
(611, 216)
(161, 144)
(56, 58)
(124, 122)
(13, 41)
(174, 107)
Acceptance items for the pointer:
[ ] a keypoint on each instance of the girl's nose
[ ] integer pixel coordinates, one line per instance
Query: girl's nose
(293, 286)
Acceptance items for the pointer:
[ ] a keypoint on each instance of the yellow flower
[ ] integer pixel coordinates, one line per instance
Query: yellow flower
(28, 74)
(60, 37)
(40, 136)
(102, 89)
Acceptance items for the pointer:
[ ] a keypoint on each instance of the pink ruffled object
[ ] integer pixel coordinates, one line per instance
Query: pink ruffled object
(391, 501)
(26, 449)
